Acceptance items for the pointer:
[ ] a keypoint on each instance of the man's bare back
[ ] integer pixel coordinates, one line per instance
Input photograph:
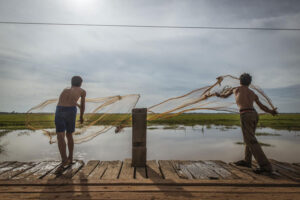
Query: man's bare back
(244, 97)
(70, 96)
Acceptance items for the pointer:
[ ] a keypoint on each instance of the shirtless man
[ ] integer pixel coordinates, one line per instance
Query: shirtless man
(245, 98)
(65, 117)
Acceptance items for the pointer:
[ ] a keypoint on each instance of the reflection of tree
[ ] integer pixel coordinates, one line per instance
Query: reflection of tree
(3, 133)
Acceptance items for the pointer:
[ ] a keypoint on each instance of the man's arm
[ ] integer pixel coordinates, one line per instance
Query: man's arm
(82, 106)
(227, 94)
(265, 108)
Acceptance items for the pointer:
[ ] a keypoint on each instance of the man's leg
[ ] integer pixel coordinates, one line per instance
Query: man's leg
(248, 155)
(70, 146)
(62, 145)
(249, 122)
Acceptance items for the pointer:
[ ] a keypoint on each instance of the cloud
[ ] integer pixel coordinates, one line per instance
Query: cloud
(37, 62)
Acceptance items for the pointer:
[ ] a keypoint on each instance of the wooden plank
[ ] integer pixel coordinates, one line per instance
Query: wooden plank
(113, 170)
(127, 171)
(255, 176)
(18, 170)
(5, 163)
(235, 171)
(285, 170)
(143, 188)
(218, 193)
(222, 172)
(181, 170)
(140, 173)
(44, 170)
(167, 169)
(297, 164)
(71, 171)
(274, 175)
(153, 171)
(293, 169)
(86, 170)
(200, 170)
(30, 171)
(98, 172)
(10, 167)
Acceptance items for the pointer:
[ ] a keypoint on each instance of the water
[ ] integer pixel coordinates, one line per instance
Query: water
(183, 143)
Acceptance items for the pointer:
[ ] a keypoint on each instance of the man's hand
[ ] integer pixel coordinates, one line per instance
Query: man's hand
(81, 120)
(274, 112)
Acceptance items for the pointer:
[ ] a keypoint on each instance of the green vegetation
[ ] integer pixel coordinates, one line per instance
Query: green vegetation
(266, 134)
(262, 144)
(282, 121)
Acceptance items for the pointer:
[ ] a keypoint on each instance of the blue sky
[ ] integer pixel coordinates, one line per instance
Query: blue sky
(37, 62)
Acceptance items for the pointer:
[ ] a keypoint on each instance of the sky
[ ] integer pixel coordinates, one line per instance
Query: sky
(38, 61)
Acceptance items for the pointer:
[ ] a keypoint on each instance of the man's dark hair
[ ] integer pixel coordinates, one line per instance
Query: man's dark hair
(245, 79)
(76, 81)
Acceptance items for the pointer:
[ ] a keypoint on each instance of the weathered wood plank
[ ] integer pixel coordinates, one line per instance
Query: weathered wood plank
(98, 172)
(9, 167)
(235, 171)
(140, 173)
(285, 170)
(30, 171)
(181, 170)
(48, 167)
(274, 175)
(167, 169)
(113, 170)
(71, 171)
(86, 170)
(222, 172)
(293, 169)
(297, 164)
(143, 188)
(5, 163)
(220, 193)
(153, 171)
(255, 176)
(200, 170)
(18, 170)
(127, 171)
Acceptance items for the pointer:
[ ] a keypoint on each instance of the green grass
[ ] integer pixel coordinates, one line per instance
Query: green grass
(262, 144)
(281, 122)
(266, 134)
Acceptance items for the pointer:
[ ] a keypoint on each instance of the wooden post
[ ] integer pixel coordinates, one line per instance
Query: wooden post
(139, 129)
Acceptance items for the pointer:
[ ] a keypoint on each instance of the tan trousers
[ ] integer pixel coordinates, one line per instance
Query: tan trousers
(248, 123)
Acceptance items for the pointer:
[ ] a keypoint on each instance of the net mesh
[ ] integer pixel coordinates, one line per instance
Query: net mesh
(205, 99)
(102, 114)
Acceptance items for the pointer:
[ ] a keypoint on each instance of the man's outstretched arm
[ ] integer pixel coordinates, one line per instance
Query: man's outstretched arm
(265, 108)
(227, 94)
(82, 106)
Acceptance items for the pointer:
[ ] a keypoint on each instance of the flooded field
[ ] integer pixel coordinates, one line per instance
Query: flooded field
(163, 142)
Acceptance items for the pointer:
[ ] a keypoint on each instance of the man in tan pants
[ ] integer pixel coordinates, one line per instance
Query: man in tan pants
(245, 98)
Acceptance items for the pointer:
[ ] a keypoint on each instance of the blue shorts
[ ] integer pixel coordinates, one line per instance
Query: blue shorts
(65, 118)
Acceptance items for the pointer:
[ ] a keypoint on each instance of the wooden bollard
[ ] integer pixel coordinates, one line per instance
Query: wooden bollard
(139, 135)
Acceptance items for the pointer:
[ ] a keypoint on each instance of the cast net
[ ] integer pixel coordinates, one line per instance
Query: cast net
(205, 99)
(101, 115)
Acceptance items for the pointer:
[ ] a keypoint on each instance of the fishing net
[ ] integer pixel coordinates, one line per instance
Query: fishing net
(205, 99)
(101, 115)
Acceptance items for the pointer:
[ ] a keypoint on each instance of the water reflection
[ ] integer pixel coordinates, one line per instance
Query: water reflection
(180, 143)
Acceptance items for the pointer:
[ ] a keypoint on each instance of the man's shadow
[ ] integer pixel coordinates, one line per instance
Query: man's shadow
(163, 184)
(70, 189)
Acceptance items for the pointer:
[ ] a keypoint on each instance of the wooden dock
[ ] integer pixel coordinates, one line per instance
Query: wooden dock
(163, 179)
